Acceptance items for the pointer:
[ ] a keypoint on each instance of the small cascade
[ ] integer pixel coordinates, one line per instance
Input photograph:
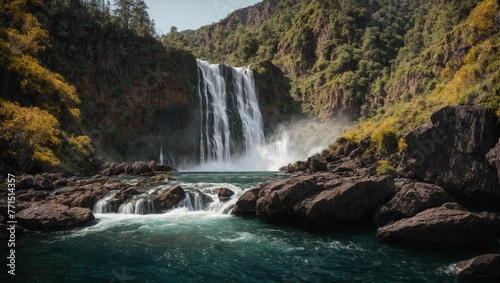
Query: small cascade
(103, 205)
(137, 206)
(198, 197)
(166, 159)
(194, 201)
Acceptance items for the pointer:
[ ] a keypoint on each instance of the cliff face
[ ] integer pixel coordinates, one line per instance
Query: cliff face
(135, 94)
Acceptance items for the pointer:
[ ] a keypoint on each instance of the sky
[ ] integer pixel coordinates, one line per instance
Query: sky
(191, 14)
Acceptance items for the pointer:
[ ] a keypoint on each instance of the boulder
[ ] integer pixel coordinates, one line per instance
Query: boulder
(203, 197)
(412, 198)
(113, 169)
(122, 196)
(245, 205)
(169, 198)
(276, 198)
(493, 158)
(351, 201)
(53, 217)
(32, 195)
(43, 183)
(442, 226)
(315, 165)
(25, 182)
(224, 194)
(60, 183)
(481, 267)
(451, 150)
(321, 200)
(137, 168)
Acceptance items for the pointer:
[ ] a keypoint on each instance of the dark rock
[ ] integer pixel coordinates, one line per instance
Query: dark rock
(441, 226)
(53, 217)
(247, 202)
(451, 151)
(412, 198)
(314, 165)
(204, 197)
(60, 183)
(137, 168)
(114, 169)
(122, 196)
(351, 201)
(25, 182)
(224, 194)
(493, 158)
(32, 195)
(154, 166)
(481, 267)
(321, 200)
(348, 148)
(169, 198)
(42, 183)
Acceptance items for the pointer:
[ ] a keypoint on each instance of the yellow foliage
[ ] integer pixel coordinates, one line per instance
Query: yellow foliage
(45, 156)
(385, 168)
(384, 136)
(82, 144)
(482, 18)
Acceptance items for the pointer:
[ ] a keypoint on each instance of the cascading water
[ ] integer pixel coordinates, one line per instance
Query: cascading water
(230, 120)
(198, 197)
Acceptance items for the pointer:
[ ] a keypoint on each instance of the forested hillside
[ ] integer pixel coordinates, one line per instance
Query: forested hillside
(389, 63)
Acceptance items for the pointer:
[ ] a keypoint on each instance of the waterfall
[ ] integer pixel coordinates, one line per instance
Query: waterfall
(230, 119)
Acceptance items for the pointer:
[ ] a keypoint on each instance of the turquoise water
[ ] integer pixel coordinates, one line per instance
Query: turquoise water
(204, 246)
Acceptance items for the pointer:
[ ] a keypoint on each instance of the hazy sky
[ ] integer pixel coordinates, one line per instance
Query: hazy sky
(191, 14)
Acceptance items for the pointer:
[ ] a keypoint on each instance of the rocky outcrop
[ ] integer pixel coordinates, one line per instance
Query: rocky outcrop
(480, 267)
(316, 201)
(122, 196)
(53, 217)
(137, 168)
(169, 198)
(245, 205)
(224, 194)
(493, 158)
(343, 203)
(450, 152)
(412, 198)
(442, 226)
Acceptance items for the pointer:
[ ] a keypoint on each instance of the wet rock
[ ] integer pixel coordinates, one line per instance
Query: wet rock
(480, 267)
(122, 196)
(224, 194)
(245, 205)
(441, 226)
(204, 197)
(412, 198)
(169, 198)
(53, 217)
(450, 152)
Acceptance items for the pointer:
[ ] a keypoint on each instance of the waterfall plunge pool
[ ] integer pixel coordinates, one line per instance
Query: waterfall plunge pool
(210, 246)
